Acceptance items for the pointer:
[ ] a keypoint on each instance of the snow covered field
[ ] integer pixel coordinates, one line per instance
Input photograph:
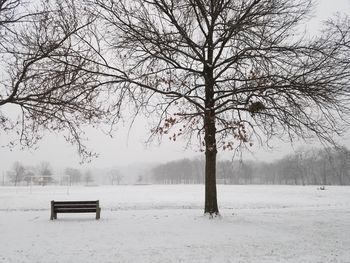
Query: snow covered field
(149, 224)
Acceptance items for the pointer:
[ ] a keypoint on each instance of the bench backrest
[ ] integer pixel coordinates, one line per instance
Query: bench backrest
(75, 203)
(75, 207)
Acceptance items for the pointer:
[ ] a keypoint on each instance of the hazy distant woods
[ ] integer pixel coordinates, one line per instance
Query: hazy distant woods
(43, 174)
(303, 167)
(312, 166)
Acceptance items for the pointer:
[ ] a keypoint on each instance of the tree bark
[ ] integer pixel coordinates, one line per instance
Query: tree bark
(211, 204)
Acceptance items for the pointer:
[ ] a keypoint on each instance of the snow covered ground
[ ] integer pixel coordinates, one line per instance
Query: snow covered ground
(149, 224)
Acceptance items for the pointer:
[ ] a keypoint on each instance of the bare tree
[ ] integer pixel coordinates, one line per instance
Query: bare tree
(338, 161)
(115, 176)
(88, 177)
(17, 174)
(45, 171)
(29, 174)
(183, 171)
(230, 73)
(74, 175)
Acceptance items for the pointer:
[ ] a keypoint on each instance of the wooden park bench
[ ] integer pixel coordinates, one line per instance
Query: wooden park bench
(75, 207)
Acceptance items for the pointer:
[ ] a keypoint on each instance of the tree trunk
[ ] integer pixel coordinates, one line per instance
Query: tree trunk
(211, 205)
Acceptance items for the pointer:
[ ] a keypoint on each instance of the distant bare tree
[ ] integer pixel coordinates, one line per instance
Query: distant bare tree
(339, 162)
(88, 177)
(30, 172)
(17, 174)
(115, 176)
(44, 169)
(74, 175)
(225, 171)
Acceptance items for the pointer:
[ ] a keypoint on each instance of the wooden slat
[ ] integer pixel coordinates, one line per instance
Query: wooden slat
(76, 206)
(75, 210)
(74, 202)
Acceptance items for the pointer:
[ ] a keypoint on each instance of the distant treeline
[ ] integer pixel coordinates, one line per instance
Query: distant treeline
(42, 174)
(305, 166)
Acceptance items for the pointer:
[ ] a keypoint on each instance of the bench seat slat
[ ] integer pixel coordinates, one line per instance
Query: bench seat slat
(75, 210)
(74, 202)
(75, 206)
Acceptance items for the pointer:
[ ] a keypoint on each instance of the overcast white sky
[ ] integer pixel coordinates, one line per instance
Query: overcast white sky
(121, 151)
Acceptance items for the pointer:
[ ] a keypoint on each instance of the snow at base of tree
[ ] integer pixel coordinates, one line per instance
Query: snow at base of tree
(157, 223)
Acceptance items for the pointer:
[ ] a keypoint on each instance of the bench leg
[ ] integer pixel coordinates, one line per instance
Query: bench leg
(52, 211)
(98, 213)
(98, 210)
(53, 216)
